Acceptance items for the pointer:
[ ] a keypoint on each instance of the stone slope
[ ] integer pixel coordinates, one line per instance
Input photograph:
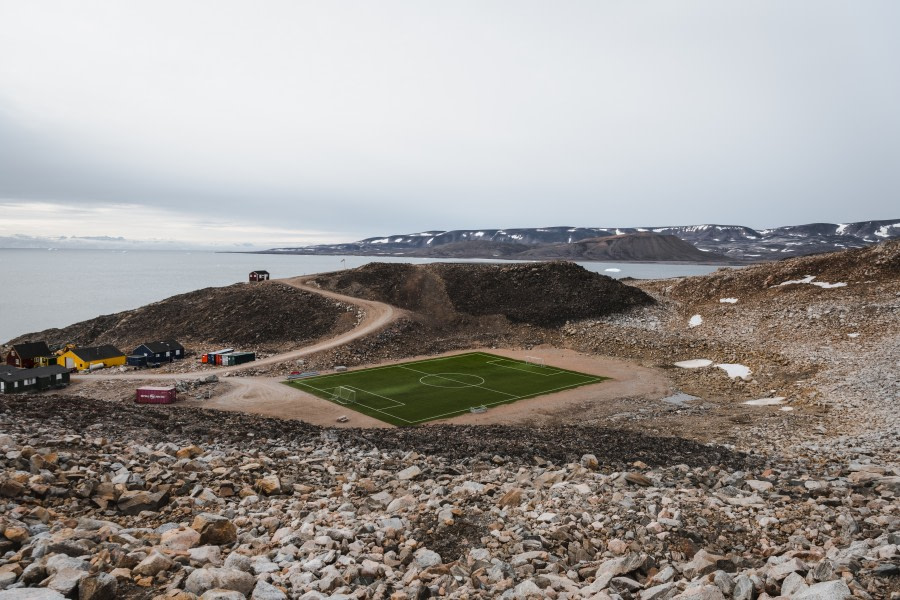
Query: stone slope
(858, 267)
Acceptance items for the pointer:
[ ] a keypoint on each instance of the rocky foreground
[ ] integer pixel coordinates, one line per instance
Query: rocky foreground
(189, 503)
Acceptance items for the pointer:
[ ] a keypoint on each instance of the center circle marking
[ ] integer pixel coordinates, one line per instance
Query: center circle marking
(451, 380)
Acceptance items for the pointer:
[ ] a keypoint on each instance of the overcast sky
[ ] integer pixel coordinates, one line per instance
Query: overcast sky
(306, 122)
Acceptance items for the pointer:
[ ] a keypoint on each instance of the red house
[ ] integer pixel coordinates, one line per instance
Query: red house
(259, 276)
(23, 355)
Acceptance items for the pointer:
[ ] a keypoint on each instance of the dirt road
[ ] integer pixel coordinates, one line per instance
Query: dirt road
(376, 315)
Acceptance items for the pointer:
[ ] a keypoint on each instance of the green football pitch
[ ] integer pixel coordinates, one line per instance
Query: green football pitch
(415, 392)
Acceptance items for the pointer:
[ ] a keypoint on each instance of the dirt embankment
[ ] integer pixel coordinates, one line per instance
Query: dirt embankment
(518, 445)
(458, 306)
(268, 316)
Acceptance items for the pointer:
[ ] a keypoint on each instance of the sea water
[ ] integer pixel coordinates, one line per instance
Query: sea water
(54, 288)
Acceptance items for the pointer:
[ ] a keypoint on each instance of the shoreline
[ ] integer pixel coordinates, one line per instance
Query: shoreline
(501, 259)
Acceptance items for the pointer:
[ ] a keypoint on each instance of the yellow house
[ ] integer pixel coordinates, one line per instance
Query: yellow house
(83, 358)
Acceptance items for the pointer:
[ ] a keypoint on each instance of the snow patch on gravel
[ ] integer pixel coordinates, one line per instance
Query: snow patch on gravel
(694, 364)
(828, 286)
(695, 321)
(680, 399)
(735, 370)
(728, 300)
(767, 401)
(809, 279)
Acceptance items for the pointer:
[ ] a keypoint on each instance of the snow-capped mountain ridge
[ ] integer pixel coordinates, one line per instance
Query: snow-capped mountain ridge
(735, 241)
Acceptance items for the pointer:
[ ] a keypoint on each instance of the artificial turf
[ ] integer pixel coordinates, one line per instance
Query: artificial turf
(416, 392)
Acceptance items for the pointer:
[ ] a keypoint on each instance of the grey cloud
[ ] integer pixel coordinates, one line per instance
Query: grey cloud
(404, 116)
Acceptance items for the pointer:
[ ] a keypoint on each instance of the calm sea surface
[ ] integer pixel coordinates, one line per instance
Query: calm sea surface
(42, 289)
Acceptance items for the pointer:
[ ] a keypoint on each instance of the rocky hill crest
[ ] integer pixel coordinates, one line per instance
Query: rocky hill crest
(535, 293)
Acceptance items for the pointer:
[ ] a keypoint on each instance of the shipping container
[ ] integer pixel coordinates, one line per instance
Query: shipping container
(237, 358)
(211, 357)
(155, 395)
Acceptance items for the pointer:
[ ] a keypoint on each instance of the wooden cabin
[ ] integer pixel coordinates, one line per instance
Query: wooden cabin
(83, 359)
(24, 355)
(259, 276)
(13, 381)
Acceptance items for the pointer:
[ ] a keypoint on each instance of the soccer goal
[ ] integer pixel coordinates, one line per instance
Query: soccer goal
(343, 395)
(535, 360)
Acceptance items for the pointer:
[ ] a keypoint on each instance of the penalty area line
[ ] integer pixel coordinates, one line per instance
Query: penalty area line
(366, 406)
(511, 400)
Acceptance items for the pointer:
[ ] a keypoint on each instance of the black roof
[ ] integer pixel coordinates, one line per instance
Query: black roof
(8, 369)
(160, 347)
(22, 374)
(97, 353)
(260, 272)
(30, 350)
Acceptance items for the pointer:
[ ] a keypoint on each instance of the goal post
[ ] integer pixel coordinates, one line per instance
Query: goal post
(343, 395)
(535, 360)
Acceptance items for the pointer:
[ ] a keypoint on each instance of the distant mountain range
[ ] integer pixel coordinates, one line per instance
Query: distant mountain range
(31, 242)
(704, 243)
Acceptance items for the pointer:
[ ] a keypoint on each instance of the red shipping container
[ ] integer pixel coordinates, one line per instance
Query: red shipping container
(155, 395)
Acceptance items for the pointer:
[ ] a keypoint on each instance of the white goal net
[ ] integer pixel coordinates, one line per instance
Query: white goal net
(535, 360)
(343, 395)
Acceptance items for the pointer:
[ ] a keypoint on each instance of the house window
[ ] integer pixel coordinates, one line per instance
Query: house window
(168, 354)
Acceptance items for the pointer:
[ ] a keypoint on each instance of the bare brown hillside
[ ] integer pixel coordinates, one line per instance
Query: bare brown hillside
(857, 267)
(267, 316)
(628, 247)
